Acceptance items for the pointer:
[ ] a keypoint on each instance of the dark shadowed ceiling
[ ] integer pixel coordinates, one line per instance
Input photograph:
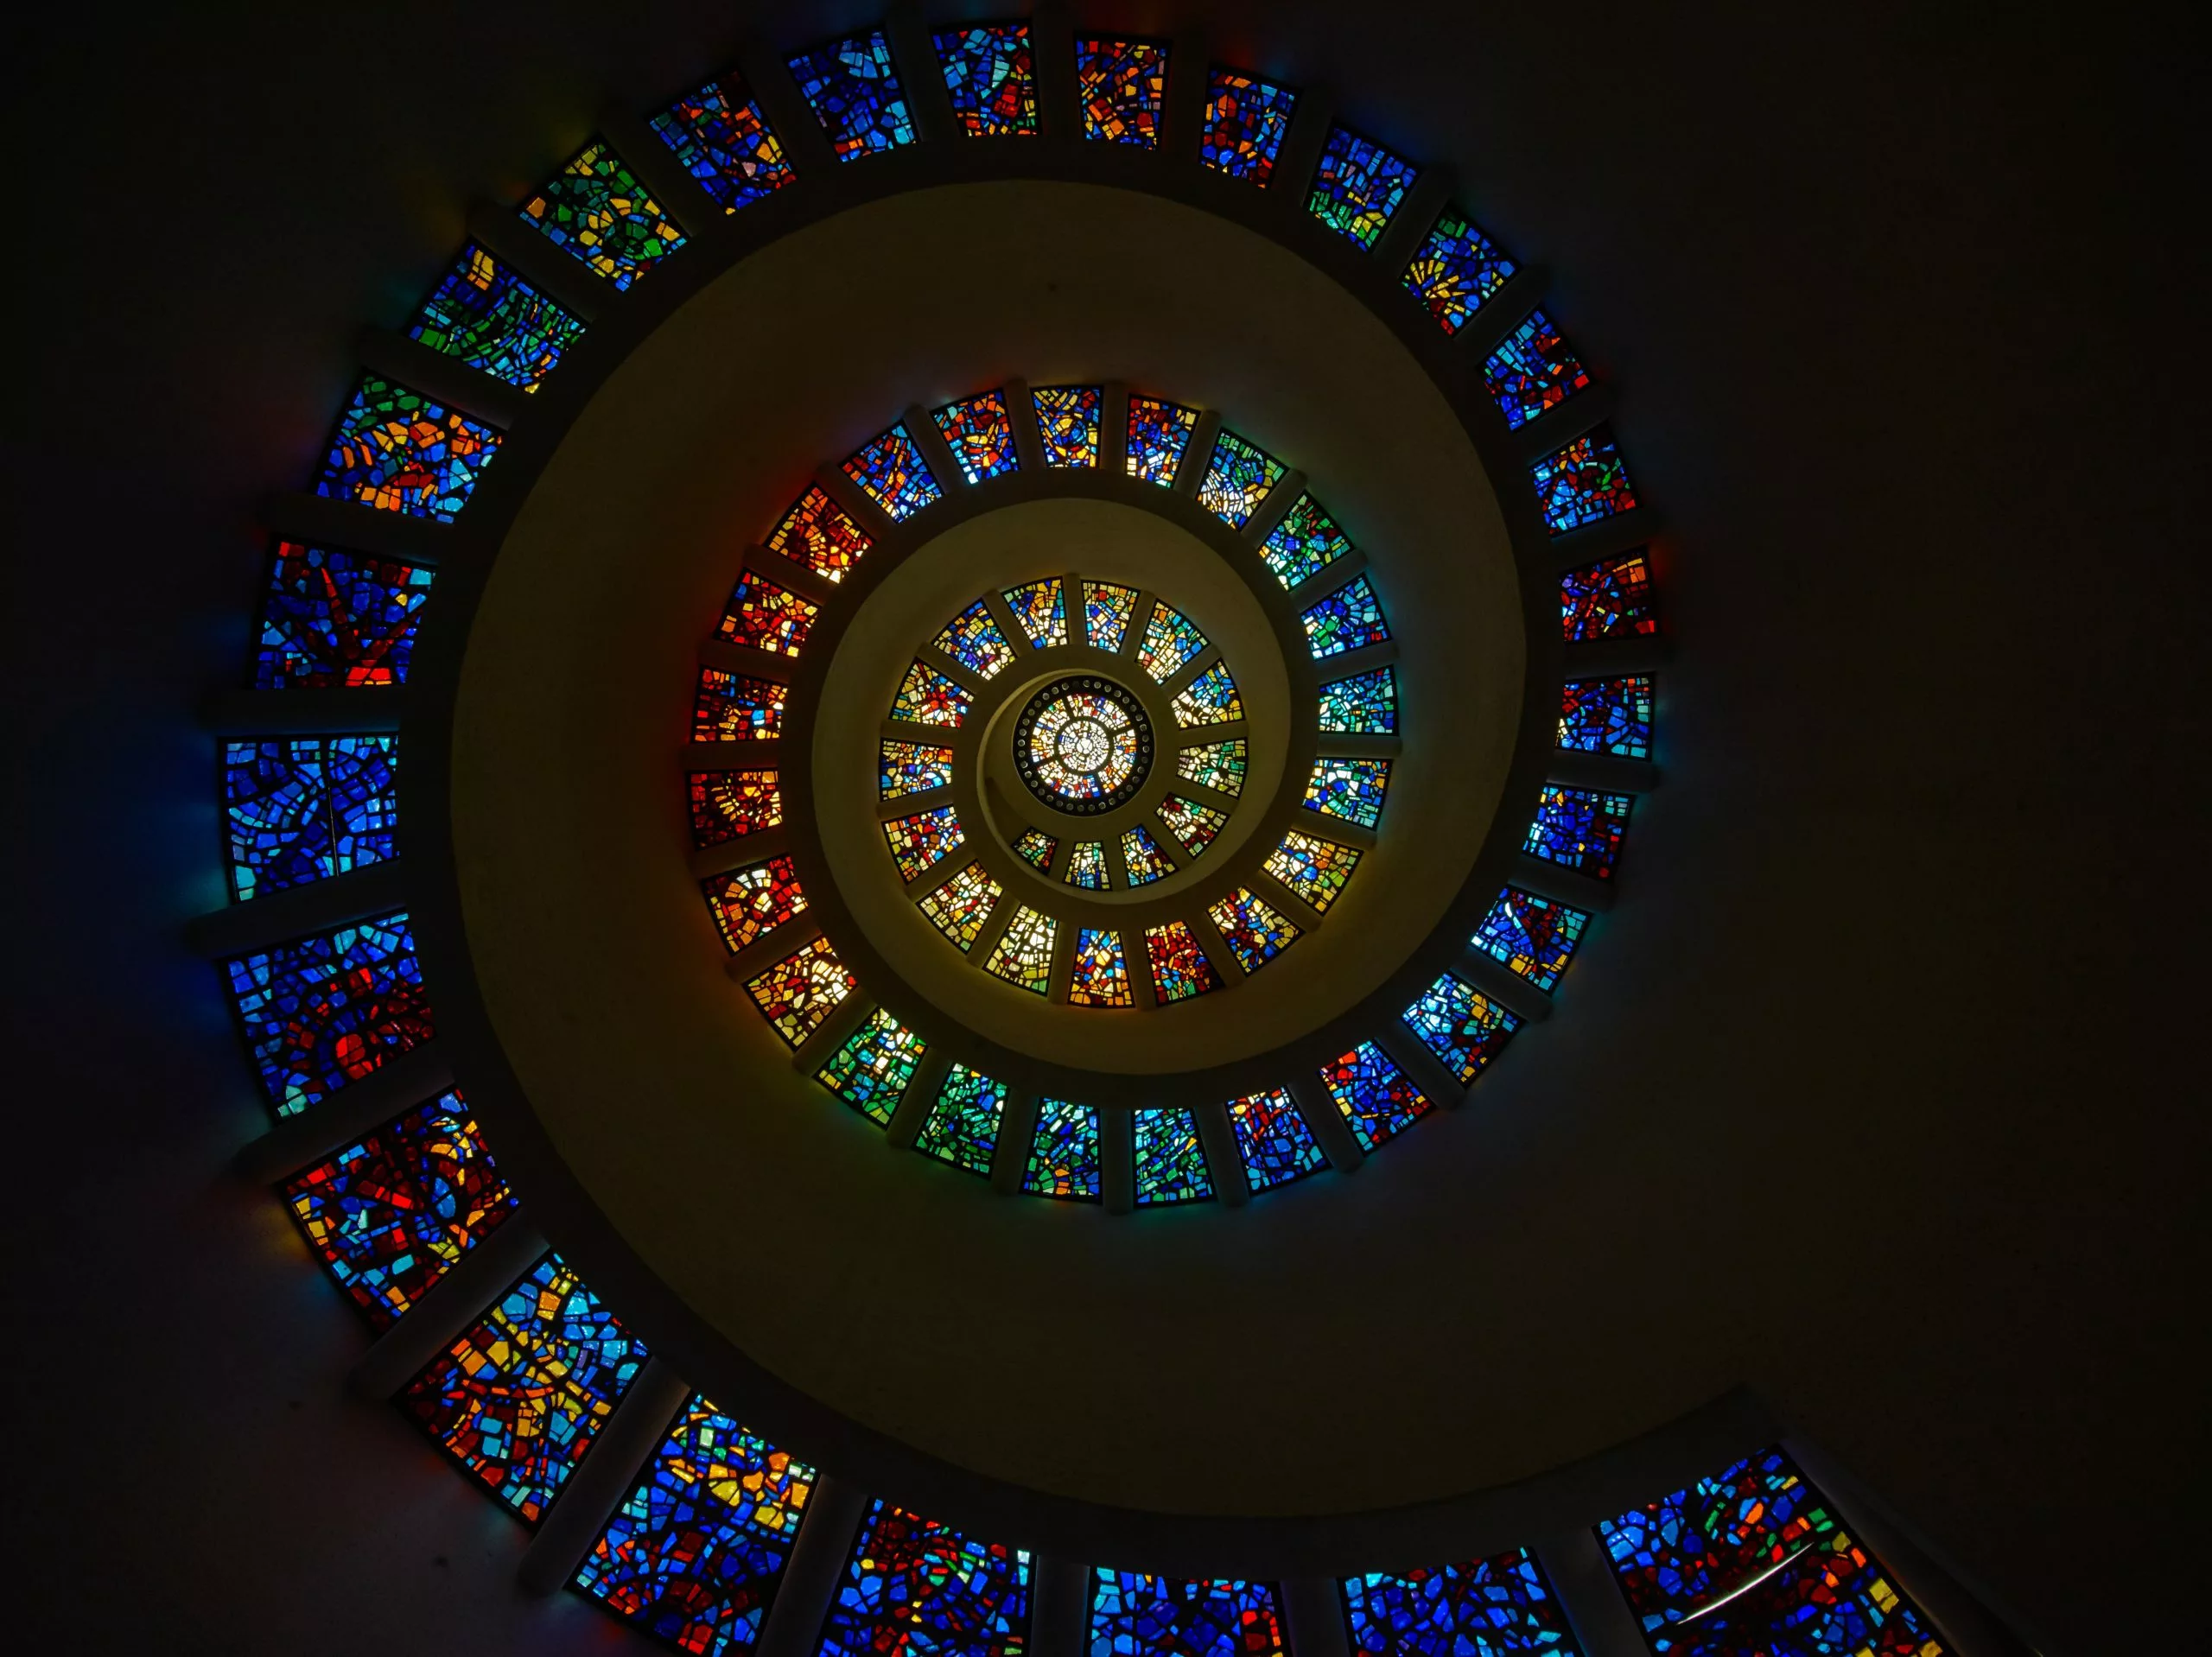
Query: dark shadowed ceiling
(1880, 1096)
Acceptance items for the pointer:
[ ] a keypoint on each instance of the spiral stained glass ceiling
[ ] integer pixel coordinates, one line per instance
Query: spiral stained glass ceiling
(1209, 740)
(1082, 745)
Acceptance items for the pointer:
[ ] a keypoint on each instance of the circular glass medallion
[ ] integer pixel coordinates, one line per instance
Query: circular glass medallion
(1082, 745)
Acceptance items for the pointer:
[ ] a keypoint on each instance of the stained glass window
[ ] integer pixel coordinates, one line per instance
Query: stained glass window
(1218, 765)
(1460, 1026)
(1158, 433)
(1194, 826)
(736, 707)
(1179, 968)
(1365, 703)
(1120, 85)
(799, 991)
(1237, 480)
(1349, 618)
(1210, 699)
(980, 434)
(1039, 612)
(1023, 955)
(914, 1587)
(1607, 717)
(1064, 1156)
(1351, 789)
(1087, 866)
(912, 768)
(764, 616)
(1484, 1608)
(1254, 932)
(728, 803)
(1170, 638)
(330, 1008)
(392, 1210)
(694, 1553)
(1106, 613)
(854, 92)
(399, 452)
(927, 698)
(1357, 185)
(871, 1071)
(1035, 847)
(750, 902)
(1133, 1615)
(1754, 1560)
(991, 80)
(1456, 272)
(1067, 419)
(1584, 482)
(1377, 1100)
(1273, 1140)
(1315, 869)
(1102, 976)
(1246, 119)
(519, 1398)
(1534, 937)
(301, 808)
(918, 841)
(973, 640)
(484, 314)
(337, 618)
(1307, 542)
(723, 141)
(894, 474)
(1579, 828)
(1610, 599)
(1142, 858)
(962, 1127)
(960, 906)
(1534, 369)
(1171, 1160)
(816, 532)
(597, 212)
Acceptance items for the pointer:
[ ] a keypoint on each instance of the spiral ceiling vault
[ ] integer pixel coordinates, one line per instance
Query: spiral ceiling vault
(1117, 764)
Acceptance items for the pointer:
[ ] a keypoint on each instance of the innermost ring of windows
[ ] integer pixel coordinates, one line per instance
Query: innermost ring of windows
(1082, 745)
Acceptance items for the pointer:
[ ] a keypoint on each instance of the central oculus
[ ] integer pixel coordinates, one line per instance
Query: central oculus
(1082, 745)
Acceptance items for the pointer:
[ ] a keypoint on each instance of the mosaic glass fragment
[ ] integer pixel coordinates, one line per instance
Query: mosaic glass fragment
(597, 212)
(1067, 419)
(1534, 936)
(960, 906)
(332, 619)
(1315, 869)
(1087, 866)
(1133, 1615)
(518, 1398)
(1064, 1155)
(818, 533)
(728, 803)
(1273, 1140)
(853, 89)
(914, 1587)
(1023, 955)
(1171, 1161)
(1158, 431)
(1366, 703)
(1254, 932)
(1171, 639)
(1036, 847)
(302, 809)
(397, 451)
(1610, 598)
(1216, 765)
(1579, 828)
(1534, 369)
(871, 1071)
(1584, 482)
(1607, 717)
(1039, 612)
(1101, 977)
(799, 991)
(1377, 1100)
(325, 1010)
(1237, 480)
(1357, 185)
(1460, 1026)
(1487, 1608)
(1350, 788)
(1306, 543)
(1210, 699)
(736, 707)
(927, 698)
(1179, 968)
(962, 1126)
(1245, 121)
(388, 1214)
(918, 840)
(1142, 858)
(991, 78)
(1350, 618)
(749, 903)
(890, 467)
(764, 616)
(972, 638)
(1120, 85)
(1194, 826)
(1107, 611)
(722, 139)
(1456, 272)
(482, 314)
(912, 768)
(980, 434)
